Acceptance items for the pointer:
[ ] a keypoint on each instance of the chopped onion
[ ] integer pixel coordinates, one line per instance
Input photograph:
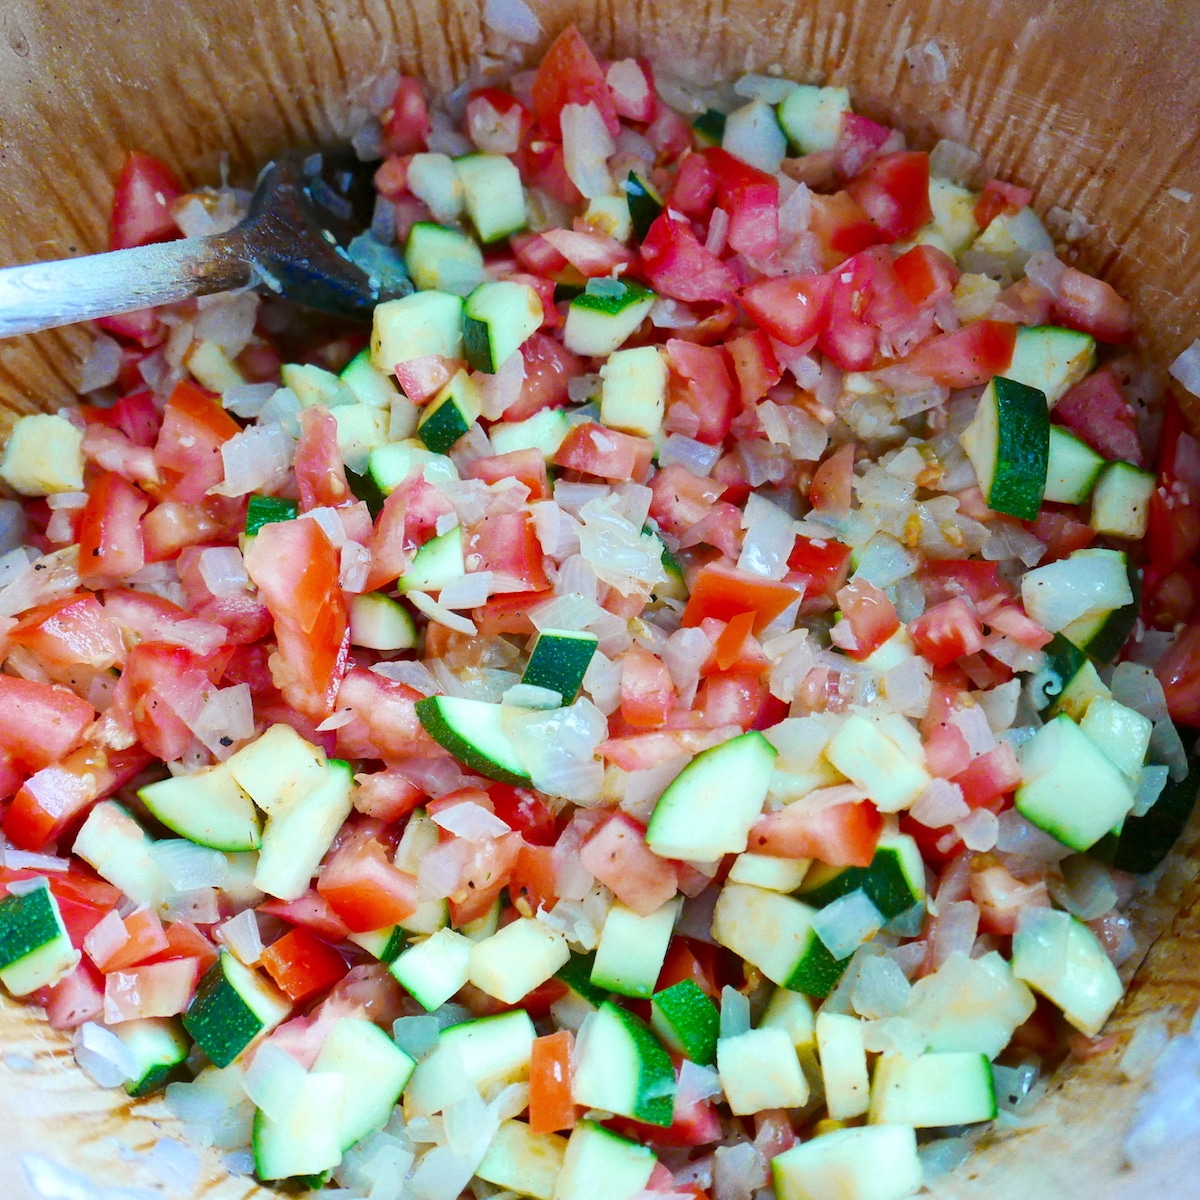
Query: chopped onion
(738, 1171)
(642, 789)
(1149, 1039)
(1018, 836)
(1186, 368)
(939, 805)
(501, 389)
(255, 460)
(408, 671)
(1088, 891)
(223, 570)
(954, 931)
(241, 935)
(471, 821)
(273, 1079)
(697, 457)
(226, 717)
(570, 611)
(468, 591)
(735, 1012)
(514, 19)
(979, 830)
(587, 146)
(752, 134)
(846, 923)
(354, 566)
(972, 723)
(247, 399)
(928, 63)
(435, 612)
(103, 1056)
(1137, 687)
(18, 860)
(102, 365)
(1057, 594)
(881, 989)
(228, 319)
(770, 536)
(1151, 781)
(1008, 540)
(417, 1036)
(952, 160)
(189, 867)
(337, 719)
(767, 88)
(1046, 271)
(106, 938)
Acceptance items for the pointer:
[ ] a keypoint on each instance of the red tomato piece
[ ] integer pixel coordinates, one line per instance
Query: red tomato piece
(421, 379)
(70, 632)
(320, 472)
(594, 449)
(647, 693)
(943, 579)
(751, 198)
(508, 614)
(859, 140)
(722, 591)
(677, 265)
(999, 197)
(551, 1108)
(1093, 306)
(822, 565)
(700, 379)
(526, 812)
(142, 326)
(1173, 598)
(1179, 673)
(73, 1000)
(946, 751)
(507, 545)
(171, 525)
(947, 631)
(310, 912)
(141, 211)
(830, 489)
(755, 366)
(1062, 532)
(1173, 536)
(841, 227)
(161, 989)
(184, 940)
(406, 120)
(1097, 410)
(302, 965)
(549, 369)
(592, 254)
(617, 855)
(386, 795)
(242, 615)
(570, 74)
(669, 133)
(967, 357)
(532, 882)
(363, 888)
(188, 450)
(681, 499)
(841, 834)
(894, 192)
(631, 82)
(792, 308)
(484, 875)
(1002, 898)
(296, 570)
(991, 775)
(110, 539)
(408, 519)
(1013, 622)
(871, 614)
(146, 939)
(927, 274)
(848, 338)
(695, 187)
(386, 724)
(42, 722)
(731, 698)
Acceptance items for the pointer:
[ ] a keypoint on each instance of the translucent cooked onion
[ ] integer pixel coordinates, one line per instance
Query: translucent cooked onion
(189, 867)
(471, 821)
(587, 146)
(514, 19)
(770, 536)
(102, 365)
(698, 458)
(104, 1056)
(1186, 368)
(223, 571)
(272, 1080)
(1046, 271)
(255, 460)
(735, 1012)
(953, 160)
(240, 933)
(1057, 594)
(846, 923)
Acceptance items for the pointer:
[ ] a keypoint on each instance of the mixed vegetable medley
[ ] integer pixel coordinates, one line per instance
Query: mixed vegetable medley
(680, 711)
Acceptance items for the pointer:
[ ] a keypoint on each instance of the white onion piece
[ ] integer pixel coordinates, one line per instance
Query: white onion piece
(881, 989)
(189, 867)
(952, 160)
(223, 571)
(514, 19)
(435, 612)
(226, 717)
(1186, 368)
(940, 804)
(528, 695)
(1061, 592)
(587, 146)
(471, 821)
(979, 830)
(255, 460)
(354, 566)
(408, 671)
(954, 931)
(735, 1012)
(752, 134)
(102, 365)
(847, 923)
(570, 611)
(767, 88)
(1018, 836)
(241, 935)
(1151, 781)
(103, 1056)
(227, 319)
(502, 389)
(1046, 271)
(972, 723)
(468, 591)
(272, 1079)
(1137, 687)
(697, 457)
(770, 536)
(928, 63)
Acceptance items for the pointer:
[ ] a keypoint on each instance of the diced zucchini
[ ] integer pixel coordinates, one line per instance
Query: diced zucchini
(298, 835)
(232, 1006)
(302, 1140)
(492, 194)
(759, 1069)
(633, 391)
(866, 753)
(559, 660)
(43, 455)
(774, 933)
(1122, 734)
(314, 385)
(438, 562)
(1008, 443)
(687, 1021)
(1121, 501)
(434, 969)
(1061, 958)
(1073, 678)
(621, 1067)
(843, 1064)
(473, 731)
(522, 1161)
(709, 807)
(497, 319)
(360, 429)
(543, 431)
(632, 949)
(602, 1165)
(389, 466)
(1069, 788)
(1104, 632)
(709, 127)
(370, 385)
(447, 260)
(601, 318)
(433, 179)
(1145, 841)
(793, 1013)
(377, 622)
(385, 944)
(894, 881)
(112, 842)
(645, 204)
(517, 959)
(874, 1162)
(278, 768)
(1015, 237)
(415, 326)
(35, 949)
(159, 1045)
(206, 807)
(932, 1090)
(449, 414)
(576, 973)
(1072, 468)
(766, 871)
(266, 510)
(611, 216)
(812, 117)
(1051, 359)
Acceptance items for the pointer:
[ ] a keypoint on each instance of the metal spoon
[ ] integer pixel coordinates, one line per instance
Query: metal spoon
(291, 243)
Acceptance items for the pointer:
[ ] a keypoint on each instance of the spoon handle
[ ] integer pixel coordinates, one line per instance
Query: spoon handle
(46, 295)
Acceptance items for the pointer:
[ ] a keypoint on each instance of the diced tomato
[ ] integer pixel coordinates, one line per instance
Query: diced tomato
(1002, 898)
(507, 545)
(296, 570)
(991, 775)
(406, 120)
(1012, 621)
(532, 882)
(617, 855)
(421, 379)
(755, 366)
(946, 751)
(570, 74)
(830, 489)
(171, 525)
(302, 965)
(751, 197)
(549, 369)
(694, 188)
(943, 579)
(70, 632)
(1093, 306)
(311, 912)
(859, 140)
(1062, 532)
(73, 1000)
(188, 450)
(595, 449)
(42, 722)
(142, 326)
(141, 211)
(967, 357)
(1179, 673)
(701, 380)
(841, 834)
(1173, 536)
(551, 1107)
(999, 197)
(821, 565)
(871, 614)
(184, 940)
(947, 631)
(110, 540)
(320, 472)
(508, 614)
(723, 591)
(695, 1124)
(1098, 411)
(485, 873)
(732, 638)
(391, 176)
(669, 133)
(243, 616)
(647, 693)
(677, 265)
(386, 795)
(792, 308)
(1171, 598)
(363, 888)
(525, 811)
(155, 990)
(894, 192)
(927, 274)
(690, 960)
(848, 338)
(407, 520)
(841, 227)
(496, 121)
(145, 939)
(591, 253)
(731, 698)
(386, 723)
(681, 499)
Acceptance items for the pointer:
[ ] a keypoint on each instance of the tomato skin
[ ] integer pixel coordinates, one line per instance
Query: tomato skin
(999, 197)
(967, 357)
(616, 854)
(110, 540)
(791, 308)
(188, 449)
(723, 592)
(1098, 411)
(755, 367)
(363, 888)
(72, 631)
(42, 722)
(822, 566)
(947, 631)
(406, 119)
(296, 569)
(894, 192)
(141, 211)
(302, 965)
(677, 265)
(927, 274)
(320, 472)
(871, 614)
(507, 545)
(595, 449)
(525, 811)
(570, 74)
(1093, 306)
(1179, 673)
(700, 379)
(549, 369)
(551, 1108)
(751, 197)
(842, 834)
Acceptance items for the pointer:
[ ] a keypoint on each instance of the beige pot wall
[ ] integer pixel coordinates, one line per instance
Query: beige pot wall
(1094, 105)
